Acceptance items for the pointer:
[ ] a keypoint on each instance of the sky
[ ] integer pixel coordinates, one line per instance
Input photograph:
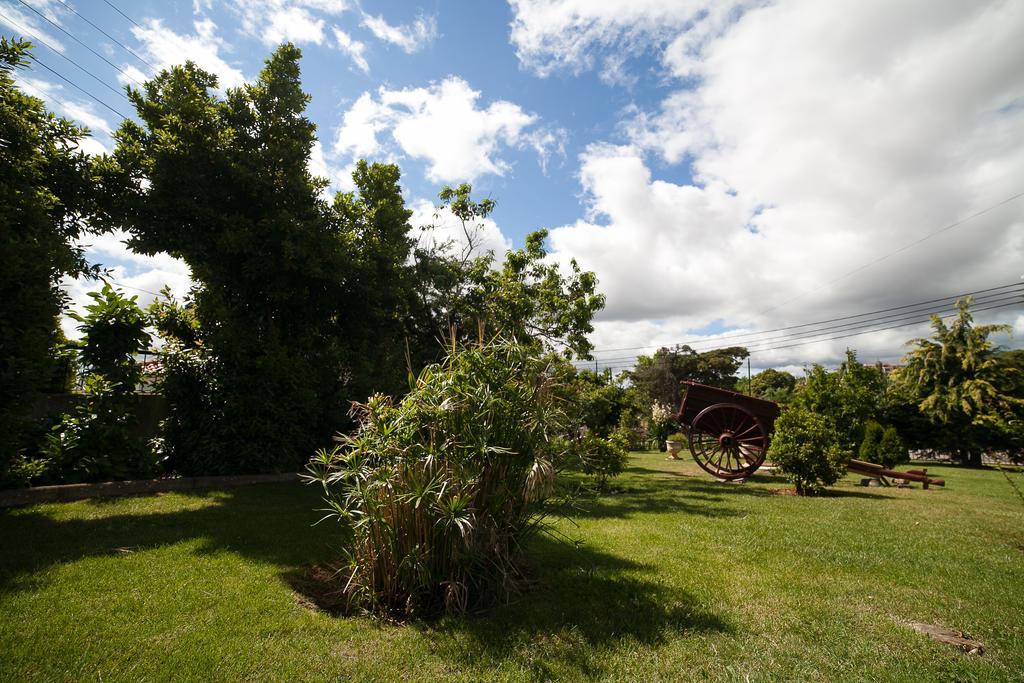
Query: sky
(725, 168)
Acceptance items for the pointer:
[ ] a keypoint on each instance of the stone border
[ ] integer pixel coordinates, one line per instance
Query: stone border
(113, 489)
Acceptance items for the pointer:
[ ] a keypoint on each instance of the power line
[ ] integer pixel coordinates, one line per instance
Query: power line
(75, 85)
(845, 327)
(137, 289)
(80, 42)
(65, 57)
(116, 9)
(740, 335)
(116, 41)
(927, 237)
(622, 366)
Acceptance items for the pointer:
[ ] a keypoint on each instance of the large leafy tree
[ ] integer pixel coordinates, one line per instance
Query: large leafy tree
(963, 388)
(49, 195)
(223, 183)
(774, 385)
(659, 375)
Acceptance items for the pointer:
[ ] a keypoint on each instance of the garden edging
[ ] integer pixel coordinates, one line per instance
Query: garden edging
(112, 489)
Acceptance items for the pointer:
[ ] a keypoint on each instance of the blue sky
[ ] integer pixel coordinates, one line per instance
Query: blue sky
(723, 166)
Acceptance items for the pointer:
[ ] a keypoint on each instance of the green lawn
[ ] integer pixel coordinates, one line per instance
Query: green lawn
(678, 577)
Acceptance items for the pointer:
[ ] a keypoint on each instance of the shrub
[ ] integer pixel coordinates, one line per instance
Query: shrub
(437, 492)
(891, 449)
(806, 448)
(869, 444)
(95, 442)
(604, 458)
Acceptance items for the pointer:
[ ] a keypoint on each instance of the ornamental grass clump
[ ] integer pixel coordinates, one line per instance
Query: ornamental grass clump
(437, 492)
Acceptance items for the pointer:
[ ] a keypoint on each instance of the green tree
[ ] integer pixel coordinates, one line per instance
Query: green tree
(771, 384)
(868, 450)
(848, 398)
(523, 297)
(49, 196)
(960, 385)
(296, 297)
(114, 332)
(658, 376)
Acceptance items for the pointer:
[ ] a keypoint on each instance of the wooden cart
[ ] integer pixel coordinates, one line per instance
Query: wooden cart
(729, 431)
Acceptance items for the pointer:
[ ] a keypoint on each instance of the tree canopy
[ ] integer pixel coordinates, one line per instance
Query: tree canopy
(659, 375)
(50, 193)
(967, 392)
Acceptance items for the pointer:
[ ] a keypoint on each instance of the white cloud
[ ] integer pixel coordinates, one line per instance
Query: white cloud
(448, 229)
(353, 48)
(27, 25)
(441, 124)
(165, 48)
(553, 35)
(297, 21)
(819, 138)
(292, 24)
(360, 125)
(410, 37)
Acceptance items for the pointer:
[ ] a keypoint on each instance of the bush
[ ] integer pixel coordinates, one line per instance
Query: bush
(806, 448)
(604, 458)
(96, 442)
(868, 451)
(437, 492)
(891, 449)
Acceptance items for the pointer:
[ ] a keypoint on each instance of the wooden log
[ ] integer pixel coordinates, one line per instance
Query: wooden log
(950, 637)
(873, 470)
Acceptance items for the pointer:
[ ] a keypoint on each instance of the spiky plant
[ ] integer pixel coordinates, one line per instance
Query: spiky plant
(436, 492)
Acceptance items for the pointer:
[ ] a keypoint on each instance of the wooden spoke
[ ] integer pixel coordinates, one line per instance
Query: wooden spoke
(728, 441)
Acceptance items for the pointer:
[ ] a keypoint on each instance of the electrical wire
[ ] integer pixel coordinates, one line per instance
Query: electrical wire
(847, 327)
(80, 42)
(916, 242)
(744, 335)
(64, 57)
(116, 41)
(75, 85)
(627, 366)
(116, 9)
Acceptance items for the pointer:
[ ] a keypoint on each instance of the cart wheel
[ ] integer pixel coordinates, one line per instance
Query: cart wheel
(728, 441)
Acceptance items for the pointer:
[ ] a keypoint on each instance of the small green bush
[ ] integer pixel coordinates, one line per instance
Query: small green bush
(806, 448)
(678, 436)
(891, 449)
(437, 492)
(95, 442)
(604, 458)
(868, 451)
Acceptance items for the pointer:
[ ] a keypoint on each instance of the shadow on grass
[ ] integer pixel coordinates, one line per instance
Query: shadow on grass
(691, 495)
(583, 599)
(267, 522)
(580, 596)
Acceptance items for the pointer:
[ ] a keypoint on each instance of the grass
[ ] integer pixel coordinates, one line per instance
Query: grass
(677, 577)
